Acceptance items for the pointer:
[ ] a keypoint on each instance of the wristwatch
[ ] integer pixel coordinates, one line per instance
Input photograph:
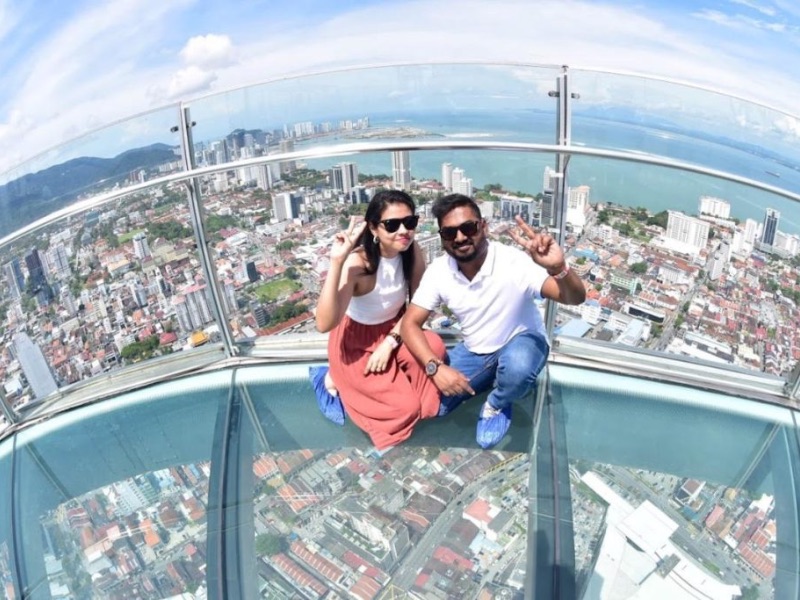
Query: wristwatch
(432, 367)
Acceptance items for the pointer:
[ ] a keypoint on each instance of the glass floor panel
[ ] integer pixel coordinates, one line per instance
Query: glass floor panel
(231, 485)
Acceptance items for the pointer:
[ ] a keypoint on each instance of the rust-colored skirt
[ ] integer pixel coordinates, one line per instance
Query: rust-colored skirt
(385, 405)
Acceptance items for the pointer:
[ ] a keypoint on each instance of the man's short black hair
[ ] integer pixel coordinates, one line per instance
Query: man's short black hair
(445, 204)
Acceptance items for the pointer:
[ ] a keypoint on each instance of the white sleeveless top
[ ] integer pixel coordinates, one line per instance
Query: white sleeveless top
(386, 298)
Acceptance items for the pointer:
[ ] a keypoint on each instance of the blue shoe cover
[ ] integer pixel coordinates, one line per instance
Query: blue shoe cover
(329, 405)
(492, 429)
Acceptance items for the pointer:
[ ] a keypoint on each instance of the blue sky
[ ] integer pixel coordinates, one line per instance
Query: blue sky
(71, 67)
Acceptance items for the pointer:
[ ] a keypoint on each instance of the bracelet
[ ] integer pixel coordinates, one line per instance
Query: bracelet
(394, 339)
(564, 273)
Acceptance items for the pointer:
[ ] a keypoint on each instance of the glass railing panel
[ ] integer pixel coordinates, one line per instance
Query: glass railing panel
(434, 515)
(272, 269)
(623, 112)
(126, 153)
(403, 103)
(106, 288)
(112, 500)
(673, 487)
(683, 263)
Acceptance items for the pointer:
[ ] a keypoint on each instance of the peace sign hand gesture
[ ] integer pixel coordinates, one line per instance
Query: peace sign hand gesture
(345, 241)
(542, 247)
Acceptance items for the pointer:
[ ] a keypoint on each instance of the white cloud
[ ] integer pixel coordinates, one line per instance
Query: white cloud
(764, 10)
(126, 56)
(189, 81)
(208, 51)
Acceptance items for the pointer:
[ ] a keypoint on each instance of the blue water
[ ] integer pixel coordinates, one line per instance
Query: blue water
(631, 184)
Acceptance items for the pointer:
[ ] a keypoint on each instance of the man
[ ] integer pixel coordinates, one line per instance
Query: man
(490, 288)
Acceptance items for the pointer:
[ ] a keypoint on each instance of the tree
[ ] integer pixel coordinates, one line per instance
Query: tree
(292, 273)
(639, 267)
(659, 219)
(269, 545)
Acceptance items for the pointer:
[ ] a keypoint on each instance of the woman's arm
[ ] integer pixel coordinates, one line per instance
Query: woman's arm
(340, 284)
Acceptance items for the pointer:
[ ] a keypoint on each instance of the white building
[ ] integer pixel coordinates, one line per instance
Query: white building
(447, 176)
(716, 207)
(401, 170)
(687, 230)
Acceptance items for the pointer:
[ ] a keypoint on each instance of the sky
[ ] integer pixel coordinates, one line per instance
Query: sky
(69, 68)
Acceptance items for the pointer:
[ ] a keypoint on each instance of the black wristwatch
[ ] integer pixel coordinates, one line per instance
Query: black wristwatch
(432, 367)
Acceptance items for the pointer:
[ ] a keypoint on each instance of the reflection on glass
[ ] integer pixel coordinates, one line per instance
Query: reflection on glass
(660, 535)
(107, 288)
(419, 520)
(676, 493)
(680, 122)
(142, 536)
(7, 576)
(127, 153)
(112, 502)
(402, 103)
(683, 263)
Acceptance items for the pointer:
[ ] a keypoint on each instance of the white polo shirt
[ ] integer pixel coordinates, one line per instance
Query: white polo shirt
(496, 305)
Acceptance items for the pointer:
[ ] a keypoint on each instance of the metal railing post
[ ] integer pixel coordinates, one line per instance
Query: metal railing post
(196, 212)
(563, 98)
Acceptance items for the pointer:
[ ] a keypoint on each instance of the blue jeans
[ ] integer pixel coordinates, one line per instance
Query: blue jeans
(512, 370)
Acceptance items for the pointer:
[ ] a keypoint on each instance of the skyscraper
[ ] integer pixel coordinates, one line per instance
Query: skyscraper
(35, 367)
(14, 278)
(401, 170)
(770, 226)
(344, 177)
(38, 281)
(447, 176)
(140, 246)
(687, 230)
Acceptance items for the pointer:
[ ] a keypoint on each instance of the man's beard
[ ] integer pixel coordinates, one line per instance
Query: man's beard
(463, 257)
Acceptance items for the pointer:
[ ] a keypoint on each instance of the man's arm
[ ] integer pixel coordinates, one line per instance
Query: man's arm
(566, 290)
(411, 332)
(563, 285)
(449, 381)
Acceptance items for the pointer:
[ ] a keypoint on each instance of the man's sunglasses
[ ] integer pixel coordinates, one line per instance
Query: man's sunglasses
(391, 225)
(468, 228)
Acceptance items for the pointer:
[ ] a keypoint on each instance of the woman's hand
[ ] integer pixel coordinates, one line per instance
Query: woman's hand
(379, 359)
(345, 241)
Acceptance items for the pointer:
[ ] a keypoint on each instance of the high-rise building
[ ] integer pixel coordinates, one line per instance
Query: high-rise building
(457, 175)
(401, 170)
(36, 276)
(58, 260)
(14, 278)
(447, 176)
(770, 227)
(35, 367)
(718, 261)
(715, 207)
(359, 195)
(687, 230)
(287, 206)
(140, 246)
(577, 205)
(344, 177)
(252, 272)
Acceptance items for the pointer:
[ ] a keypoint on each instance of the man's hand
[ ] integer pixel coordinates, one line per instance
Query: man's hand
(542, 247)
(451, 382)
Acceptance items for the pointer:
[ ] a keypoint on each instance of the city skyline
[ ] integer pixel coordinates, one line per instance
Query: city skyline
(184, 51)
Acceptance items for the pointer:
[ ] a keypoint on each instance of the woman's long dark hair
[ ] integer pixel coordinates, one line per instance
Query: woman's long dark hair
(375, 209)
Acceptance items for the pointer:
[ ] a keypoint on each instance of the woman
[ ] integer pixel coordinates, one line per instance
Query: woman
(375, 267)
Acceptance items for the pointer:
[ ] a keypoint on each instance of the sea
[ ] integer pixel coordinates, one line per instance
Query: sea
(655, 188)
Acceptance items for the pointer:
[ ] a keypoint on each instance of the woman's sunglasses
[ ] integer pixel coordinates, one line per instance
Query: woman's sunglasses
(468, 228)
(391, 225)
